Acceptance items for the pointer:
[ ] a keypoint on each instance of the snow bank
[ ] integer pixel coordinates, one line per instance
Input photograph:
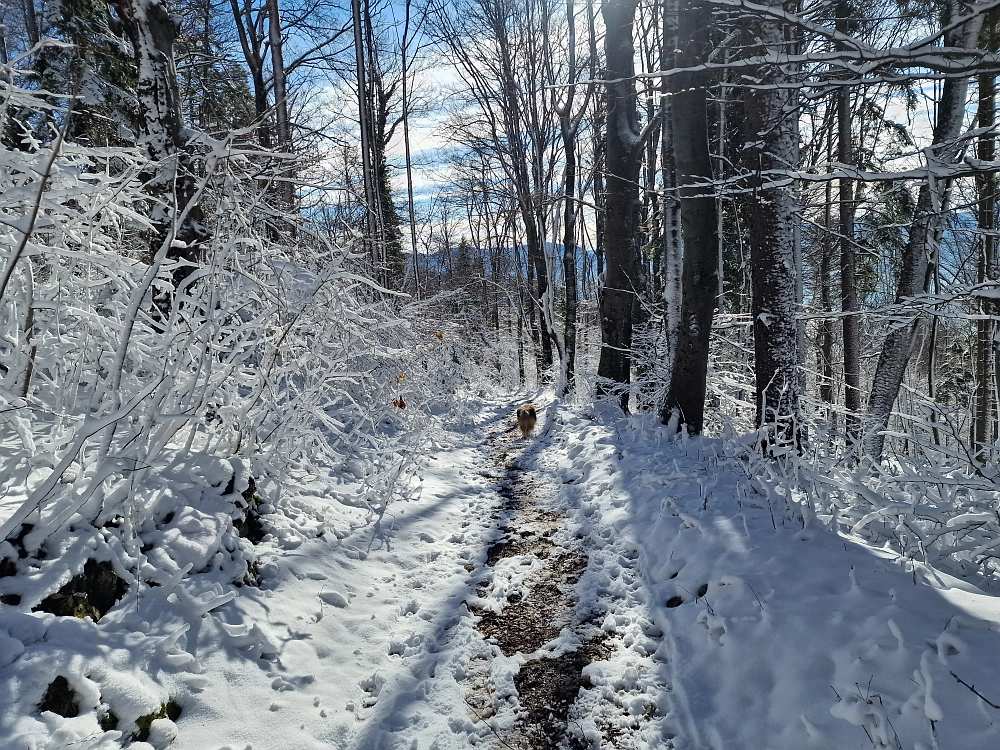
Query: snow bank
(776, 633)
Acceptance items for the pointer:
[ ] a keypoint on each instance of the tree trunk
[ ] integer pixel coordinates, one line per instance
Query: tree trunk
(31, 22)
(826, 323)
(772, 122)
(569, 261)
(536, 258)
(250, 43)
(600, 194)
(286, 188)
(670, 206)
(983, 432)
(921, 245)
(170, 179)
(848, 260)
(932, 363)
(699, 219)
(623, 150)
(569, 129)
(405, 79)
(278, 75)
(364, 112)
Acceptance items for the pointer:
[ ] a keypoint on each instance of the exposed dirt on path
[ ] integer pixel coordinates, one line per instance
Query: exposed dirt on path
(548, 683)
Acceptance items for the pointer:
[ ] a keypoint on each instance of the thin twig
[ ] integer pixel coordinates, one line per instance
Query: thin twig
(489, 726)
(990, 703)
(29, 228)
(701, 598)
(758, 599)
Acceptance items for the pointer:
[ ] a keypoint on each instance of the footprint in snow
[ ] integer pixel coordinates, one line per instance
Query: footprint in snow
(333, 598)
(285, 684)
(407, 647)
(371, 686)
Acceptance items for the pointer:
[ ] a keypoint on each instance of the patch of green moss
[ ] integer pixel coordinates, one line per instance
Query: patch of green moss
(169, 710)
(82, 608)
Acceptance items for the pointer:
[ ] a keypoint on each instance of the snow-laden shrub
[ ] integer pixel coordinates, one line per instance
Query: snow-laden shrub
(937, 509)
(273, 349)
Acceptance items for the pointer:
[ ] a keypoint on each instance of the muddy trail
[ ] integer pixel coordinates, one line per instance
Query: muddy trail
(536, 614)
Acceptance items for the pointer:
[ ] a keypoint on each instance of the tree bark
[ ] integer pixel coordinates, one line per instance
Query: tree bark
(405, 79)
(286, 188)
(364, 112)
(619, 293)
(772, 119)
(848, 259)
(170, 179)
(253, 54)
(983, 430)
(568, 129)
(600, 193)
(670, 206)
(278, 75)
(922, 242)
(31, 22)
(826, 323)
(699, 219)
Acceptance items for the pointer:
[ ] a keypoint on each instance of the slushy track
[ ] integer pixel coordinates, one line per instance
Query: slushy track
(549, 645)
(539, 603)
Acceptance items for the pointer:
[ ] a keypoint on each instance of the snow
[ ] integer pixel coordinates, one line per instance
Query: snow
(732, 621)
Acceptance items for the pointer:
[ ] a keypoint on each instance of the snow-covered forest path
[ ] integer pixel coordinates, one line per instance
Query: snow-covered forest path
(473, 612)
(598, 585)
(465, 615)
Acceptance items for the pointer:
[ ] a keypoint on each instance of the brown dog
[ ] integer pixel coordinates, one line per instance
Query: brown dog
(526, 419)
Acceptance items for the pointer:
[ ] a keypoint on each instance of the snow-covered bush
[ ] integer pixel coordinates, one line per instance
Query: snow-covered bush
(272, 349)
(934, 512)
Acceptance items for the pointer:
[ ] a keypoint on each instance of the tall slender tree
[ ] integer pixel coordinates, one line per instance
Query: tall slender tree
(924, 234)
(624, 139)
(986, 271)
(848, 254)
(771, 109)
(170, 180)
(699, 218)
(495, 47)
(570, 111)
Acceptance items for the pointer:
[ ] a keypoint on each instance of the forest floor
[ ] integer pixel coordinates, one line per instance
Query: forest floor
(598, 585)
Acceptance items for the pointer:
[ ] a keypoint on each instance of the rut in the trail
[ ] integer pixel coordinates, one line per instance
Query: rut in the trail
(546, 685)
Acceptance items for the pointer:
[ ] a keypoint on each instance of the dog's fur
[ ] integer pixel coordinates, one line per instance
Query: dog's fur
(526, 419)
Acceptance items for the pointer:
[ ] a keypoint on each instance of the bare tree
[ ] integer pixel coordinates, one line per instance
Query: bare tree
(924, 233)
(569, 127)
(496, 49)
(263, 42)
(848, 256)
(771, 109)
(170, 178)
(986, 268)
(699, 218)
(624, 139)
